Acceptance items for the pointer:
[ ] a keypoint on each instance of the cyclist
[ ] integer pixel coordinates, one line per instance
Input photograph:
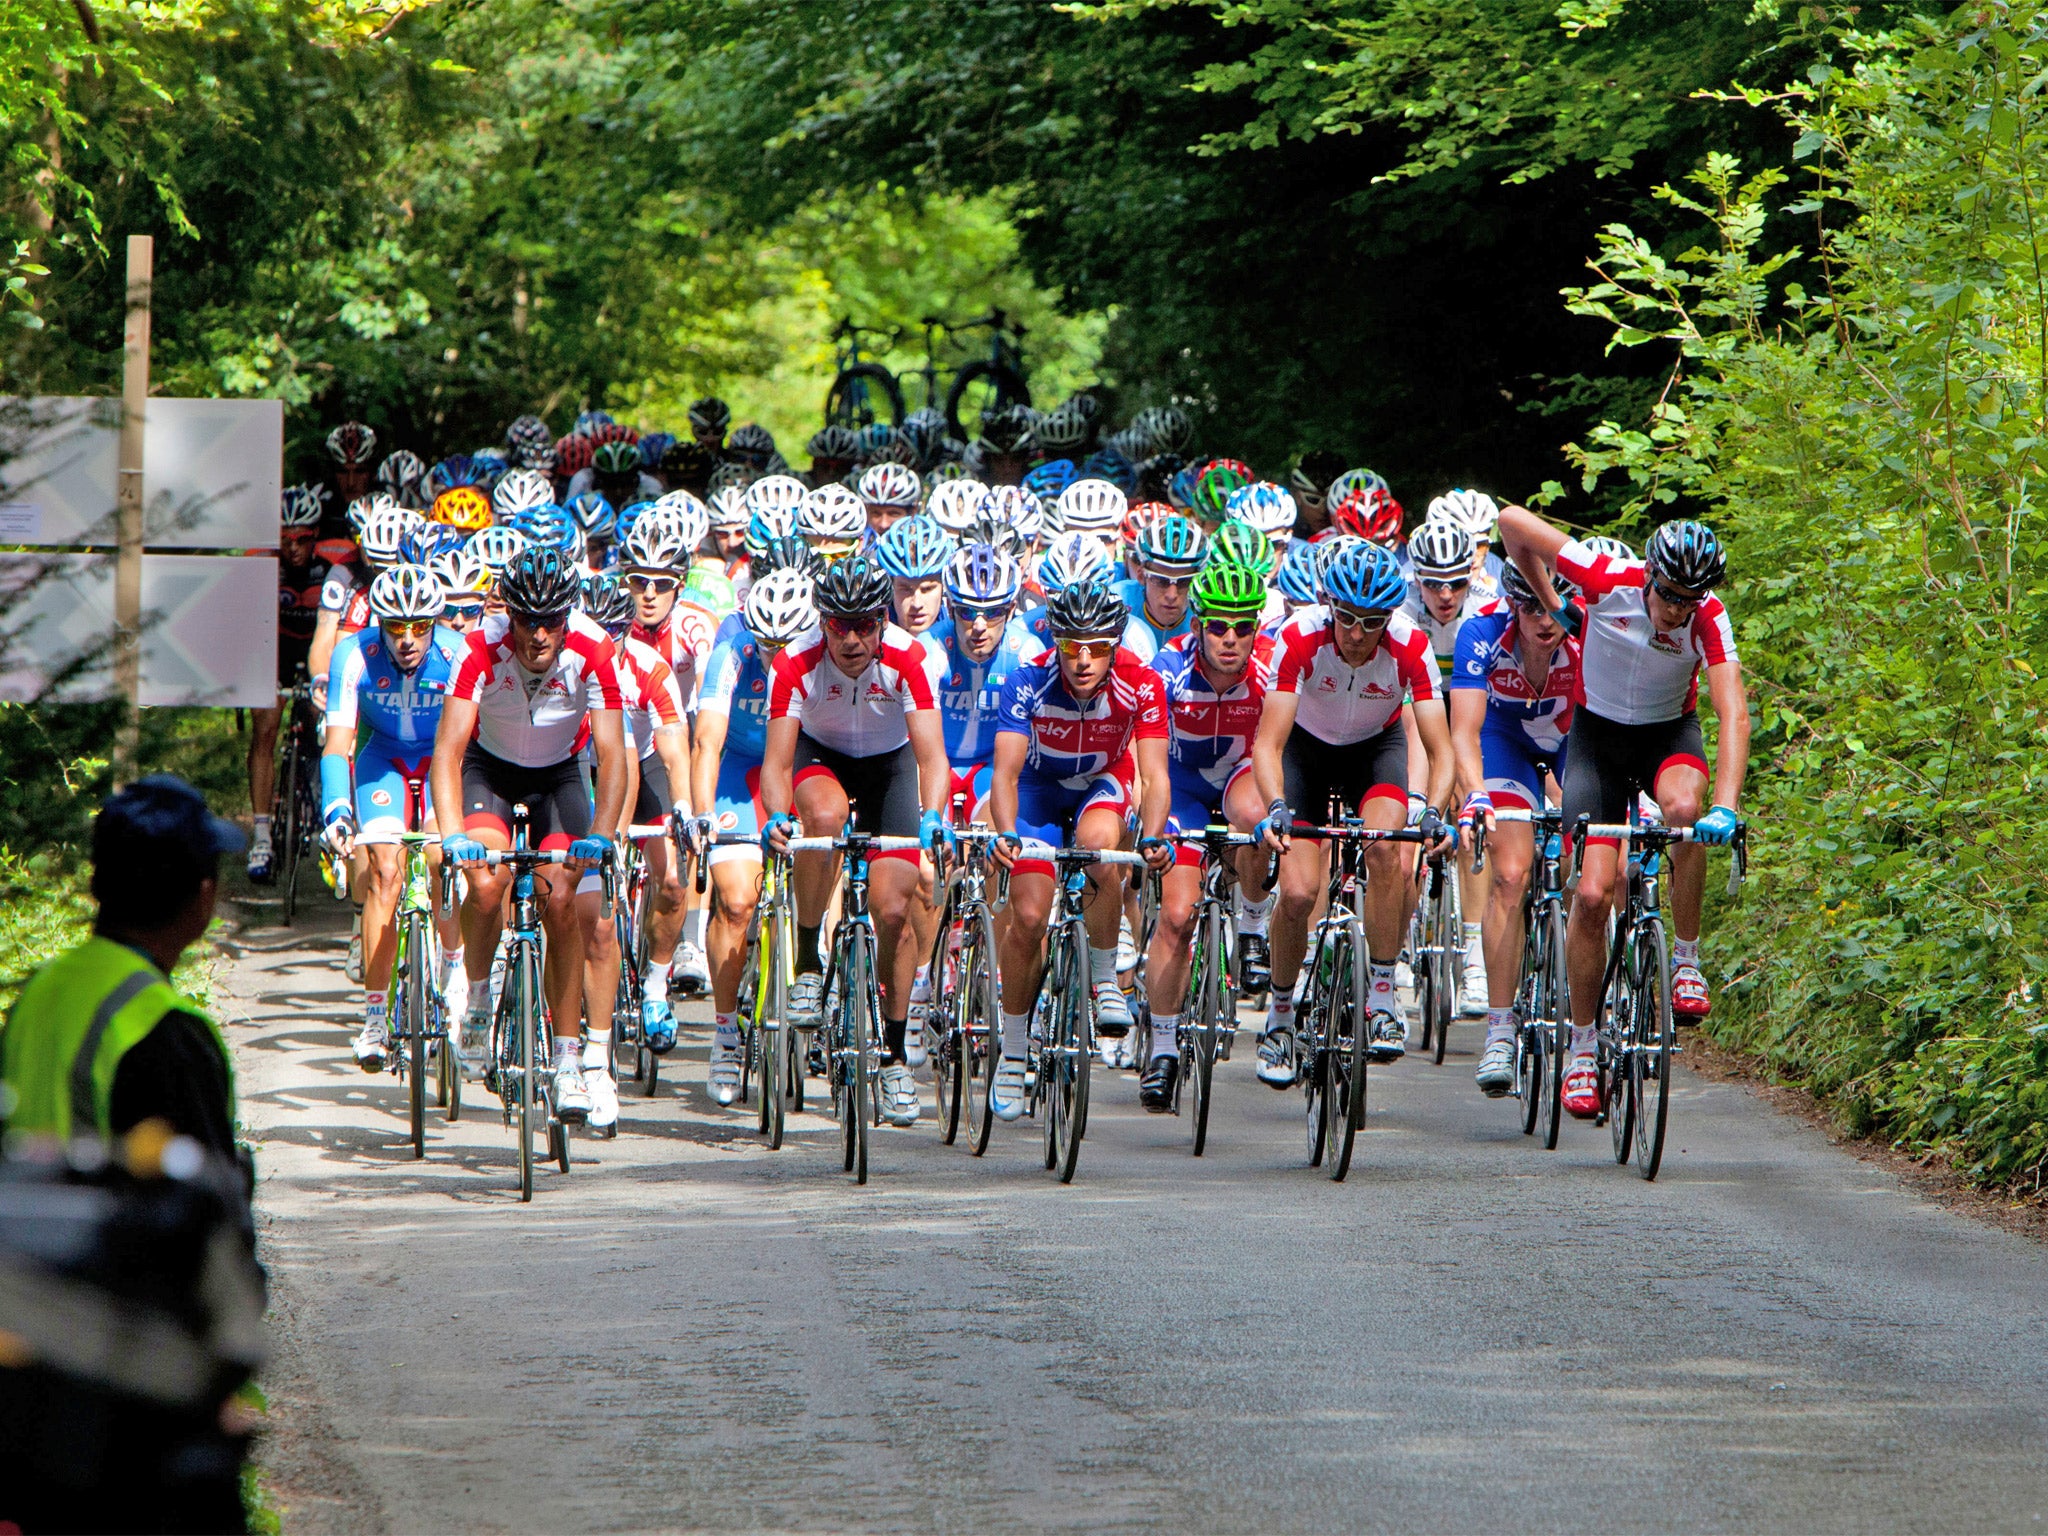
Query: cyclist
(1475, 512)
(832, 521)
(350, 446)
(1510, 692)
(1074, 557)
(615, 474)
(915, 552)
(301, 574)
(834, 451)
(1651, 625)
(509, 733)
(890, 492)
(709, 419)
(1333, 727)
(1168, 550)
(1214, 691)
(1067, 719)
(389, 681)
(655, 559)
(853, 722)
(725, 775)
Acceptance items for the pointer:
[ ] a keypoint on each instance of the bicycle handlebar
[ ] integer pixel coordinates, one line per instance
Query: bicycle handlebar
(839, 844)
(1656, 836)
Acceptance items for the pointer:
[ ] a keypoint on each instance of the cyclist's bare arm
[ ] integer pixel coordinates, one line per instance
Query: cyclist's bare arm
(326, 635)
(1155, 794)
(672, 746)
(928, 746)
(618, 828)
(608, 736)
(1435, 731)
(1533, 545)
(1731, 711)
(709, 742)
(778, 766)
(451, 740)
(1276, 723)
(1002, 787)
(1468, 713)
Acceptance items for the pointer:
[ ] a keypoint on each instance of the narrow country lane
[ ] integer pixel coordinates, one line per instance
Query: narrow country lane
(691, 1331)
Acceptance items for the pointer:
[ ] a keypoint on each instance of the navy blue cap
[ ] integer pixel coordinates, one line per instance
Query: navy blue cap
(162, 819)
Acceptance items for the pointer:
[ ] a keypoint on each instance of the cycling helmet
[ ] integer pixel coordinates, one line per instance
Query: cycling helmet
(608, 603)
(690, 513)
(457, 469)
(729, 507)
(1087, 610)
(982, 576)
(1354, 480)
(889, 485)
(831, 515)
(540, 582)
(710, 414)
(925, 432)
(629, 514)
(1228, 587)
(383, 535)
(363, 508)
(784, 552)
(1614, 549)
(406, 592)
(588, 422)
(779, 606)
(914, 548)
(1301, 572)
(1112, 466)
(1092, 506)
(1367, 513)
(1474, 511)
(884, 445)
(1365, 578)
(529, 443)
(461, 571)
(615, 459)
(834, 442)
(658, 542)
(1067, 428)
(1216, 485)
(853, 588)
(489, 466)
(594, 514)
(777, 494)
(1245, 545)
(1514, 586)
(958, 505)
(573, 452)
(302, 506)
(1163, 429)
(1171, 545)
(1007, 429)
(1264, 506)
(1073, 558)
(653, 446)
(1049, 481)
(1441, 548)
(351, 445)
(1687, 554)
(1141, 515)
(521, 490)
(424, 541)
(1016, 509)
(769, 523)
(1311, 478)
(1180, 487)
(754, 440)
(401, 473)
(496, 548)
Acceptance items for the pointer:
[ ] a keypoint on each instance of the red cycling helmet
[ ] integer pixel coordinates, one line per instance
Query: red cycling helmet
(1370, 513)
(572, 453)
(612, 432)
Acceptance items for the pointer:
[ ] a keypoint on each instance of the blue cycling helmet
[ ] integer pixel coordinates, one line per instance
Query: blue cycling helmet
(588, 423)
(594, 514)
(914, 548)
(982, 576)
(424, 540)
(653, 446)
(550, 524)
(1108, 464)
(1048, 480)
(489, 465)
(1365, 578)
(628, 515)
(1180, 490)
(452, 471)
(1301, 572)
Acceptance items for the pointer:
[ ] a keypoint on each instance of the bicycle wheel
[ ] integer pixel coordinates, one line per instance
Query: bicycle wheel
(446, 1066)
(980, 1027)
(862, 394)
(525, 995)
(286, 817)
(859, 991)
(412, 1016)
(1450, 938)
(1617, 1080)
(1344, 1057)
(1198, 1064)
(1529, 1016)
(1312, 1034)
(1557, 1017)
(1069, 1052)
(979, 386)
(1650, 1062)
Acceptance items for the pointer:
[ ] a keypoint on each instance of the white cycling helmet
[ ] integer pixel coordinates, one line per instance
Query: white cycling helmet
(302, 506)
(461, 571)
(1093, 506)
(1441, 547)
(1613, 548)
(691, 513)
(363, 508)
(1020, 511)
(1073, 557)
(1474, 511)
(497, 547)
(521, 491)
(890, 485)
(658, 542)
(729, 507)
(832, 515)
(1264, 505)
(406, 592)
(775, 493)
(778, 606)
(383, 532)
(957, 505)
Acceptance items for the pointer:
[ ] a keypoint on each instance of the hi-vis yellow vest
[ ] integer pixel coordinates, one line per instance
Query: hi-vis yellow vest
(74, 1021)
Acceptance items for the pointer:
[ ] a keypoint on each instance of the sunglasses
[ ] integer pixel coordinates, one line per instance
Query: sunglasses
(1458, 585)
(414, 628)
(661, 586)
(1677, 599)
(1239, 627)
(966, 613)
(463, 613)
(847, 629)
(1072, 647)
(1368, 622)
(553, 620)
(1177, 583)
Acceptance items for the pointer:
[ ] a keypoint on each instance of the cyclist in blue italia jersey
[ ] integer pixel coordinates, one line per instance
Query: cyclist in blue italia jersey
(387, 680)
(725, 774)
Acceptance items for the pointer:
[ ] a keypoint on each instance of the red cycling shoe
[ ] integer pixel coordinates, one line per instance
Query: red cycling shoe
(1689, 996)
(1581, 1088)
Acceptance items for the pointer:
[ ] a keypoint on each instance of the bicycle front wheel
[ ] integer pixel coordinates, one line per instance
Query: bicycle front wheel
(980, 1028)
(1198, 1061)
(1069, 1055)
(287, 855)
(862, 394)
(1350, 1024)
(1650, 1062)
(1557, 1025)
(1617, 1078)
(1450, 938)
(855, 1089)
(412, 1016)
(522, 986)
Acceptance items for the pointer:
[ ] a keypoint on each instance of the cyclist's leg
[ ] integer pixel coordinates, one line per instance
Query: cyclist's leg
(821, 804)
(735, 880)
(489, 790)
(665, 902)
(1103, 824)
(263, 725)
(1514, 781)
(1680, 790)
(1167, 958)
(1306, 769)
(380, 819)
(1044, 812)
(1596, 784)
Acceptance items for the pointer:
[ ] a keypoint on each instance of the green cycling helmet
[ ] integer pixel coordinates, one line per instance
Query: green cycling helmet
(1228, 588)
(1242, 544)
(1216, 484)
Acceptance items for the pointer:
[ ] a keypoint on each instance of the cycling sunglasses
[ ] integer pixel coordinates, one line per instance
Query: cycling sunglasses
(1371, 623)
(1437, 584)
(464, 613)
(661, 586)
(1178, 583)
(1240, 627)
(846, 629)
(1070, 646)
(1677, 599)
(555, 620)
(968, 613)
(412, 627)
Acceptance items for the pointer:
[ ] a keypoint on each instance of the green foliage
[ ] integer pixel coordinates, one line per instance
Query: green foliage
(44, 908)
(1872, 450)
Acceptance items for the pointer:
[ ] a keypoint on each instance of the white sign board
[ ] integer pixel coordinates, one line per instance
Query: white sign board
(209, 629)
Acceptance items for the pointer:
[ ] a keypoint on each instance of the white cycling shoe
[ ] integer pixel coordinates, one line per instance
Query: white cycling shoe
(370, 1046)
(915, 1053)
(1112, 1009)
(1474, 1003)
(572, 1099)
(692, 973)
(473, 1042)
(1496, 1074)
(604, 1098)
(725, 1070)
(1276, 1058)
(1006, 1093)
(900, 1103)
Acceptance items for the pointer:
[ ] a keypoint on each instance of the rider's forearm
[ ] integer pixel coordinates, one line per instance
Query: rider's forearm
(669, 747)
(704, 751)
(1731, 754)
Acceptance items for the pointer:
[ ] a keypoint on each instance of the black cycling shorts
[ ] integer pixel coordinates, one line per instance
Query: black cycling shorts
(294, 654)
(1606, 763)
(1311, 771)
(556, 798)
(656, 798)
(882, 788)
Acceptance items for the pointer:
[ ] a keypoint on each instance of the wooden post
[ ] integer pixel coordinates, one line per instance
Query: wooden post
(128, 506)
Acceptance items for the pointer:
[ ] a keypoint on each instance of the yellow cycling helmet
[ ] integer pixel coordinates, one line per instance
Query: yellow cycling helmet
(464, 507)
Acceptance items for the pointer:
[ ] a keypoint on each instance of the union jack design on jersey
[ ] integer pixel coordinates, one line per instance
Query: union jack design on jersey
(1487, 658)
(1210, 732)
(1072, 742)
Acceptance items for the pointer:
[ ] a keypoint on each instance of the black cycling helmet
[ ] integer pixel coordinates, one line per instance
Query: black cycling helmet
(710, 414)
(540, 583)
(789, 551)
(1687, 554)
(609, 604)
(1007, 430)
(834, 442)
(1312, 476)
(1087, 610)
(753, 438)
(1514, 586)
(853, 588)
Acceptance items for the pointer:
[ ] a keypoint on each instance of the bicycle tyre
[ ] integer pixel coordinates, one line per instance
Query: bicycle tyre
(1073, 1050)
(849, 403)
(1419, 964)
(1312, 1024)
(1451, 947)
(1656, 1034)
(524, 1009)
(859, 989)
(1557, 992)
(1344, 1064)
(287, 816)
(413, 1012)
(999, 383)
(1529, 1016)
(1199, 1074)
(449, 1069)
(980, 1031)
(1617, 1082)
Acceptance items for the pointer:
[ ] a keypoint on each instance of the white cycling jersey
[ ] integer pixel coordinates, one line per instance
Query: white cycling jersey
(861, 716)
(536, 720)
(653, 699)
(1633, 672)
(1338, 703)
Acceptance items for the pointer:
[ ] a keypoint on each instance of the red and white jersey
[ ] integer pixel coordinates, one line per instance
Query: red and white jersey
(653, 698)
(1338, 703)
(1634, 673)
(536, 720)
(684, 641)
(860, 716)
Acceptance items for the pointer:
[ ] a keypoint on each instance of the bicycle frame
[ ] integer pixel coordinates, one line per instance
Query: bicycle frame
(417, 1018)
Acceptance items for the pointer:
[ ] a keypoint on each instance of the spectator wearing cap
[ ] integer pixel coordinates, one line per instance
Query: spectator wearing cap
(100, 1040)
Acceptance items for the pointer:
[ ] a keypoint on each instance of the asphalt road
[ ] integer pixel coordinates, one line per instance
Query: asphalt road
(690, 1331)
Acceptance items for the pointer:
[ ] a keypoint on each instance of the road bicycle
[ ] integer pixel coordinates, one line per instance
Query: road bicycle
(851, 1025)
(1637, 1035)
(1542, 994)
(987, 383)
(1209, 1016)
(419, 1020)
(769, 1060)
(295, 802)
(1436, 949)
(863, 391)
(1062, 1034)
(630, 917)
(1333, 1023)
(966, 1017)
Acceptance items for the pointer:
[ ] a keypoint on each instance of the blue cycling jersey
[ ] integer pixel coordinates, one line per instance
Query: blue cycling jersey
(970, 690)
(1143, 638)
(736, 685)
(365, 687)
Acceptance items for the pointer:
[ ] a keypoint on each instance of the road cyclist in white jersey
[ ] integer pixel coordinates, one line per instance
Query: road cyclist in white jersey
(853, 723)
(1651, 626)
(509, 734)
